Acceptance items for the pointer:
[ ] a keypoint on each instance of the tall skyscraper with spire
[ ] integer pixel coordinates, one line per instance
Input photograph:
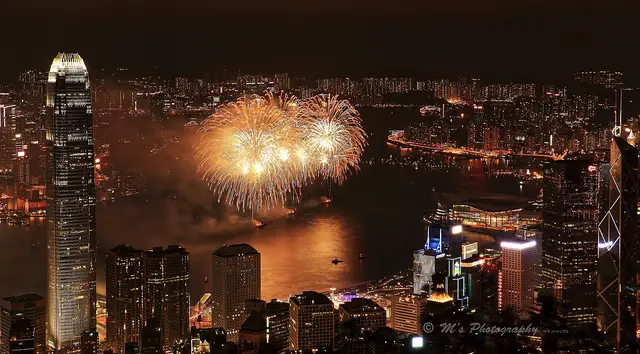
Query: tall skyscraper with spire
(71, 237)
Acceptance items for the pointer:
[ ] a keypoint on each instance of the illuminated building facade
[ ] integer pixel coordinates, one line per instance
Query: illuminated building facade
(407, 314)
(516, 279)
(311, 322)
(474, 217)
(70, 203)
(455, 284)
(277, 315)
(469, 249)
(30, 307)
(7, 141)
(569, 239)
(124, 296)
(618, 246)
(235, 279)
(424, 266)
(166, 291)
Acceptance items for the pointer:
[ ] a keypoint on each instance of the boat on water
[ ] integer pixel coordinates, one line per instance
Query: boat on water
(336, 261)
(362, 256)
(260, 224)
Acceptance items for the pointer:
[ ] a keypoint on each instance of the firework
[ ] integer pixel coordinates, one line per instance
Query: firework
(257, 152)
(333, 135)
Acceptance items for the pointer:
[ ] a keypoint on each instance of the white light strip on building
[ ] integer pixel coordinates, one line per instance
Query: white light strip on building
(517, 245)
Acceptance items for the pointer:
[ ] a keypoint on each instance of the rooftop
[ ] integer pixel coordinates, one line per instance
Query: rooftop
(24, 298)
(360, 305)
(310, 298)
(254, 323)
(235, 250)
(125, 249)
(485, 202)
(171, 249)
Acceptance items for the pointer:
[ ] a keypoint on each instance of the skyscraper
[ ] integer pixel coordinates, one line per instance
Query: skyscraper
(407, 314)
(359, 319)
(569, 239)
(7, 140)
(516, 280)
(151, 340)
(235, 278)
(22, 337)
(618, 245)
(124, 296)
(31, 307)
(166, 286)
(70, 202)
(311, 322)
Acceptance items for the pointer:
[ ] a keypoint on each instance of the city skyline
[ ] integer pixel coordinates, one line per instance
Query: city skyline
(408, 41)
(322, 177)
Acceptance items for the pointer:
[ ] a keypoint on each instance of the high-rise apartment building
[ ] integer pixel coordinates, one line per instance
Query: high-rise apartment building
(29, 307)
(70, 202)
(166, 291)
(516, 279)
(569, 239)
(235, 279)
(311, 322)
(124, 286)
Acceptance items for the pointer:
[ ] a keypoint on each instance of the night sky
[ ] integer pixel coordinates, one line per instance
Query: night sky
(495, 39)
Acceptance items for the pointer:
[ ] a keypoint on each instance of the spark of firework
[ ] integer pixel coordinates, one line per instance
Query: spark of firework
(333, 134)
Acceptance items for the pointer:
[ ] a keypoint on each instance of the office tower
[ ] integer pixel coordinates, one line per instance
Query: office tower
(516, 279)
(89, 342)
(406, 314)
(424, 267)
(7, 141)
(312, 322)
(31, 307)
(618, 249)
(22, 338)
(131, 348)
(235, 279)
(124, 296)
(70, 202)
(569, 239)
(151, 338)
(277, 315)
(455, 284)
(471, 270)
(359, 319)
(166, 286)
